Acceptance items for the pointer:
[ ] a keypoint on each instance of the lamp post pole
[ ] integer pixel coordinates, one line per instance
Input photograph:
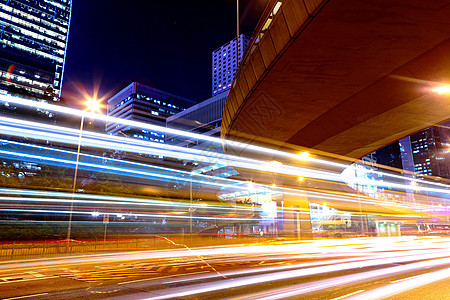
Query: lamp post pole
(92, 105)
(190, 207)
(69, 228)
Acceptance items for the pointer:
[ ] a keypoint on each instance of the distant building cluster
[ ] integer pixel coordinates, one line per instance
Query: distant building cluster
(140, 102)
(426, 153)
(33, 37)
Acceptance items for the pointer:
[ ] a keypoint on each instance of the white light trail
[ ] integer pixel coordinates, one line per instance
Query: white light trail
(169, 215)
(435, 260)
(144, 203)
(399, 287)
(49, 132)
(71, 111)
(53, 133)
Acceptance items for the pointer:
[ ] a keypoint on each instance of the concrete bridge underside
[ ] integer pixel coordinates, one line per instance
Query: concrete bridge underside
(344, 76)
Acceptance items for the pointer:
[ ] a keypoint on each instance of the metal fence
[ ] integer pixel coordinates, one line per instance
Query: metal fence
(25, 250)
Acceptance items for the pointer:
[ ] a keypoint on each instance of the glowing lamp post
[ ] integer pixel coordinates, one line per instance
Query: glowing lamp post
(92, 105)
(443, 89)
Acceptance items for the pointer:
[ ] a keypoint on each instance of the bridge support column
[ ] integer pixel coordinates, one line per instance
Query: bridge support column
(297, 218)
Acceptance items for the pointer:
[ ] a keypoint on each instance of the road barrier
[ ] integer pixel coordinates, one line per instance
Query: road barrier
(34, 249)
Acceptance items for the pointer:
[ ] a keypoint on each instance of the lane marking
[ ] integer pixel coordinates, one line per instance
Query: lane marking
(162, 277)
(29, 296)
(31, 279)
(403, 279)
(348, 295)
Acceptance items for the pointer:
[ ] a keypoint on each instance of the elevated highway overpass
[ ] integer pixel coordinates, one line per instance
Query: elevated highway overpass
(345, 77)
(342, 76)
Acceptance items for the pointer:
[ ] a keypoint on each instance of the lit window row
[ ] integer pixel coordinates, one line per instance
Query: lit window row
(32, 51)
(34, 90)
(22, 79)
(59, 5)
(140, 96)
(35, 27)
(144, 137)
(40, 15)
(37, 36)
(24, 40)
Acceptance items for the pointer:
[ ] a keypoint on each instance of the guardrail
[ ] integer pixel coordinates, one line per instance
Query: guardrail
(47, 248)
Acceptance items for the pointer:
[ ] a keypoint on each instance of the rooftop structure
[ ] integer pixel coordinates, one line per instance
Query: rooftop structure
(143, 103)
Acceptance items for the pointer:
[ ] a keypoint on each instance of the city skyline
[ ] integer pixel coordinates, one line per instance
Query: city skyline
(173, 54)
(288, 182)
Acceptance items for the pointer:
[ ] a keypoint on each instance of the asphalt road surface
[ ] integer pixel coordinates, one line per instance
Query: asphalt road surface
(364, 268)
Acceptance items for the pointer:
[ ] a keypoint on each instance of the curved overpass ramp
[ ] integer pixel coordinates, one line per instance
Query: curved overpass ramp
(342, 76)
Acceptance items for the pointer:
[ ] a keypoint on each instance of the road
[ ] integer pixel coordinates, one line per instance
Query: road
(363, 268)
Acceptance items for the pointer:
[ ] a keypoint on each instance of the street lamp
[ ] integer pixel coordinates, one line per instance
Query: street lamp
(92, 105)
(441, 89)
(304, 155)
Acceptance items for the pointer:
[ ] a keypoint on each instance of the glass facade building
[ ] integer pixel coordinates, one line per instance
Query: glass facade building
(204, 118)
(139, 102)
(33, 37)
(430, 151)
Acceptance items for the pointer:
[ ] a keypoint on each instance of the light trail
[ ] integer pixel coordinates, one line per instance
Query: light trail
(162, 215)
(368, 261)
(166, 204)
(103, 141)
(301, 289)
(138, 146)
(399, 287)
(241, 145)
(431, 260)
(214, 182)
(116, 198)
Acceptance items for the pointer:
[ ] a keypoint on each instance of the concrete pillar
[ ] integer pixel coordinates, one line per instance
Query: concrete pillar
(297, 218)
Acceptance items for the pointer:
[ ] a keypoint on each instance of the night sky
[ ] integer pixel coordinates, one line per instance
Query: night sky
(166, 44)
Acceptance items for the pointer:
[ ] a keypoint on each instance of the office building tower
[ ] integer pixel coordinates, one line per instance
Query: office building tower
(139, 102)
(430, 151)
(33, 37)
(406, 156)
(204, 118)
(224, 63)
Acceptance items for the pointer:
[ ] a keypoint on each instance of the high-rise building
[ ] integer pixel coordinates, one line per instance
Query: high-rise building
(203, 118)
(224, 63)
(206, 117)
(139, 102)
(33, 37)
(430, 151)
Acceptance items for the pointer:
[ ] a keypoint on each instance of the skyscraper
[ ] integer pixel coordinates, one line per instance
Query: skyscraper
(33, 37)
(224, 63)
(143, 103)
(206, 117)
(430, 150)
